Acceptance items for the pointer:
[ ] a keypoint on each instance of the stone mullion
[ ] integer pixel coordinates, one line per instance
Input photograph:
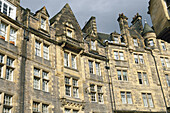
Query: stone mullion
(8, 32)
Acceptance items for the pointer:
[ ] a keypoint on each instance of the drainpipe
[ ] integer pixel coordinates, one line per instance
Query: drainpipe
(159, 81)
(110, 82)
(23, 63)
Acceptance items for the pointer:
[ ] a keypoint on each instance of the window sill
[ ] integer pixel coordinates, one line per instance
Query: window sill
(41, 90)
(120, 60)
(71, 68)
(44, 30)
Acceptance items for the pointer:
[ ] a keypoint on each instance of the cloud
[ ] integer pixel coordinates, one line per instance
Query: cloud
(105, 11)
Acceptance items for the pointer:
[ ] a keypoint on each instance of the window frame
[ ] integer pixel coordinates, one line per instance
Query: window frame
(124, 97)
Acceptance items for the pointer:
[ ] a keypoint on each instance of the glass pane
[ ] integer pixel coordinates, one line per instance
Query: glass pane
(145, 100)
(125, 75)
(150, 100)
(121, 56)
(119, 75)
(123, 97)
(129, 98)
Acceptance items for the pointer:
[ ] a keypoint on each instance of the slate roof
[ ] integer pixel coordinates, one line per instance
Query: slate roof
(147, 29)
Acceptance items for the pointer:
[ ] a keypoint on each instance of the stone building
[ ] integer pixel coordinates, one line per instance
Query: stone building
(51, 65)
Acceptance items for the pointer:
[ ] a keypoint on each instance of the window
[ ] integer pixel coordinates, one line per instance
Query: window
(93, 45)
(100, 94)
(122, 75)
(143, 79)
(66, 60)
(8, 100)
(151, 43)
(139, 59)
(116, 39)
(73, 61)
(36, 107)
(45, 52)
(36, 83)
(43, 23)
(98, 68)
(147, 100)
(96, 93)
(126, 97)
(163, 46)
(12, 38)
(40, 79)
(70, 62)
(8, 9)
(67, 110)
(44, 108)
(165, 62)
(3, 30)
(91, 67)
(75, 111)
(5, 8)
(1, 58)
(40, 47)
(71, 86)
(118, 55)
(69, 33)
(9, 69)
(122, 39)
(7, 65)
(167, 80)
(75, 88)
(37, 48)
(135, 42)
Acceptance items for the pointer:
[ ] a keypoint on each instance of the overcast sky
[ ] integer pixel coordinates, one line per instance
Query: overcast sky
(105, 11)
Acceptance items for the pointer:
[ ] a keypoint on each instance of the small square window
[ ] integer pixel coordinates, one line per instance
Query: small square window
(69, 33)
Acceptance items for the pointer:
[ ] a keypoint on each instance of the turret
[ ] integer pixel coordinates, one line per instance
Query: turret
(149, 36)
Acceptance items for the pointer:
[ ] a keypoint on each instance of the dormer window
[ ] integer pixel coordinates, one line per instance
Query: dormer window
(8, 9)
(116, 40)
(69, 33)
(151, 43)
(93, 45)
(122, 40)
(163, 46)
(43, 23)
(135, 42)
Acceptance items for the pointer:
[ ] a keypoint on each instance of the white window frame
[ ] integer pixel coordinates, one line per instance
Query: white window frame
(135, 42)
(46, 51)
(37, 48)
(11, 9)
(73, 61)
(66, 59)
(13, 33)
(43, 23)
(93, 45)
(163, 46)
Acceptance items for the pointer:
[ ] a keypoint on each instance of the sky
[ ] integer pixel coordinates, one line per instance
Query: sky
(105, 11)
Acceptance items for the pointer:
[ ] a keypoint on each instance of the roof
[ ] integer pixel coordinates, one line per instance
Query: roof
(103, 36)
(147, 29)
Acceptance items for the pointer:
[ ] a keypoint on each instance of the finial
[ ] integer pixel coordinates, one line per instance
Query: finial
(145, 21)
